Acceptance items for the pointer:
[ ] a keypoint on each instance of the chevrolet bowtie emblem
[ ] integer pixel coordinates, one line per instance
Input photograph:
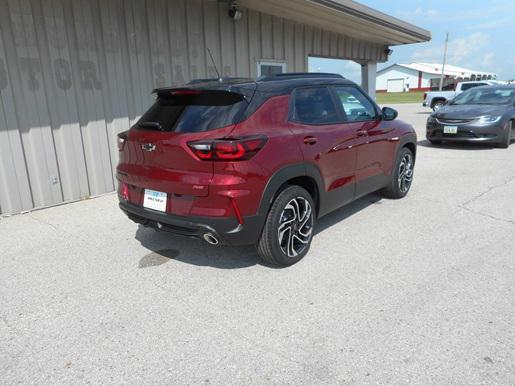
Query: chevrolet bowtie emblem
(148, 147)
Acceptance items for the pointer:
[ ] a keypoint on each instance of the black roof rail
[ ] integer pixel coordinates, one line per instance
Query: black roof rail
(300, 75)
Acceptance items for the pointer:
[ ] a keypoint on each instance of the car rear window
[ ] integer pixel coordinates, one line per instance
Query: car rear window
(468, 86)
(187, 115)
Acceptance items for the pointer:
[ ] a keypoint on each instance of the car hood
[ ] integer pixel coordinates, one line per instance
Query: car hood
(468, 111)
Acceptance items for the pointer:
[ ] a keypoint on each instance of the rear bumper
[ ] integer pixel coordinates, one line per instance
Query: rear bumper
(226, 230)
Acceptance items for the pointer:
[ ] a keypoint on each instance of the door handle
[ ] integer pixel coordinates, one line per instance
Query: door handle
(361, 133)
(310, 140)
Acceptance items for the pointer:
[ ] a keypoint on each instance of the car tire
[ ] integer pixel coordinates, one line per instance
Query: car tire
(507, 140)
(288, 229)
(438, 105)
(402, 175)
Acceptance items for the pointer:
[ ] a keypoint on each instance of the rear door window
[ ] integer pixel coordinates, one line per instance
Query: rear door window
(314, 106)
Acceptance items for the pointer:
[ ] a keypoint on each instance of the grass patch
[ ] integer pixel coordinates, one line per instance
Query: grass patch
(384, 98)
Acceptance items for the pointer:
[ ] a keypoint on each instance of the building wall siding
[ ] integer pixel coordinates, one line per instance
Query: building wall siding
(74, 73)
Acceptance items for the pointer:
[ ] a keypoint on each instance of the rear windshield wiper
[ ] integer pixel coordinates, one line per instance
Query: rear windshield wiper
(151, 125)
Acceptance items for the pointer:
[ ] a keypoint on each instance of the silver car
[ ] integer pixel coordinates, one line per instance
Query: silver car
(483, 114)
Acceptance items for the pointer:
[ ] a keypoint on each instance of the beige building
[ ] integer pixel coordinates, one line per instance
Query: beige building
(74, 73)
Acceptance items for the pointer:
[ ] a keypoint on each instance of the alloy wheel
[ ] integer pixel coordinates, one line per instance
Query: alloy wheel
(295, 227)
(405, 173)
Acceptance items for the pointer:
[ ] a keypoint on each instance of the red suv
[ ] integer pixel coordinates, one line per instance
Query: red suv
(239, 162)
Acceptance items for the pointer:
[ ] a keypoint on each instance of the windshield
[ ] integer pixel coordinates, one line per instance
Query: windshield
(485, 96)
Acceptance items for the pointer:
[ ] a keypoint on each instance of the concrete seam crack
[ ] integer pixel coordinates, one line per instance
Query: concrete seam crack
(488, 190)
(487, 215)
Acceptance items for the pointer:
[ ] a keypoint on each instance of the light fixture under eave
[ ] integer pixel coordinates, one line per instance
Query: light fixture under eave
(234, 12)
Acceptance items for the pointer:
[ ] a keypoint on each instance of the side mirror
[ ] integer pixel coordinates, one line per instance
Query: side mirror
(389, 114)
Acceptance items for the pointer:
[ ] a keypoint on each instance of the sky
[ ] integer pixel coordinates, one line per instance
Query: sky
(481, 35)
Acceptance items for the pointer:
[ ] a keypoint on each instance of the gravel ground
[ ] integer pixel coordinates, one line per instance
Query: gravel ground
(414, 291)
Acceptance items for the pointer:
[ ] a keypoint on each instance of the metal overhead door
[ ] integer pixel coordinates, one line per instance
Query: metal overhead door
(395, 85)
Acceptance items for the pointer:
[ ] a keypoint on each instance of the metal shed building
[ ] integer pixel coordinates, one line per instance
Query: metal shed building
(420, 76)
(74, 73)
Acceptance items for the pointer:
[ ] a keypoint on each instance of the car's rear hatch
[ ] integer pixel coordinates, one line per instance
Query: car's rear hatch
(155, 153)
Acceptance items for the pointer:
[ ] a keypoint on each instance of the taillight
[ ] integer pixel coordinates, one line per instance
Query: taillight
(202, 150)
(121, 139)
(229, 150)
(233, 149)
(124, 191)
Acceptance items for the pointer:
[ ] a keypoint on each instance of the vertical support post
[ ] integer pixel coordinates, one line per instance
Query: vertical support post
(444, 60)
(368, 78)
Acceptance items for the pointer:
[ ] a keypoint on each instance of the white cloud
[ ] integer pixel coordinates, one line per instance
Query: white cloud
(486, 12)
(466, 51)
(488, 59)
(493, 24)
(418, 13)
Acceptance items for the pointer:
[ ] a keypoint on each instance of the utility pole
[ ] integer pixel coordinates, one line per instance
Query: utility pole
(444, 59)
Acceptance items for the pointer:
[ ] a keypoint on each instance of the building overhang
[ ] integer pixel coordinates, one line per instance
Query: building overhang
(345, 17)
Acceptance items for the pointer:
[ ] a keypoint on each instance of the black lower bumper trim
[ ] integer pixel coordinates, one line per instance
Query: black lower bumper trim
(226, 230)
(466, 133)
(485, 140)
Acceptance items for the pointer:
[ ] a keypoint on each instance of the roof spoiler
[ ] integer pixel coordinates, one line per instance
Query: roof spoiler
(203, 97)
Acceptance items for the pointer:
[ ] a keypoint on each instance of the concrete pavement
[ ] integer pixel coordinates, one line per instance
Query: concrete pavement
(412, 291)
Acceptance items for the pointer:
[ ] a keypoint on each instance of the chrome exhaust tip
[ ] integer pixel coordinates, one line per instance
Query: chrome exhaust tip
(210, 238)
